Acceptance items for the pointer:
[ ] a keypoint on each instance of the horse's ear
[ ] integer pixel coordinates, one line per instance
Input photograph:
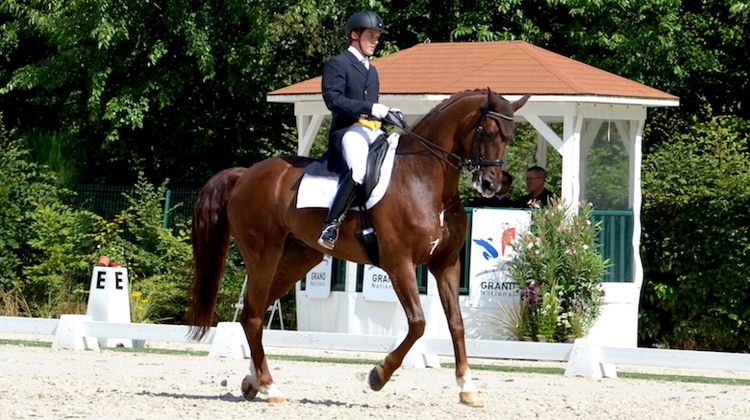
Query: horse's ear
(519, 103)
(491, 97)
(493, 100)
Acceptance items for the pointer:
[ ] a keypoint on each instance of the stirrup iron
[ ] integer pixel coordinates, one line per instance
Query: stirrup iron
(330, 234)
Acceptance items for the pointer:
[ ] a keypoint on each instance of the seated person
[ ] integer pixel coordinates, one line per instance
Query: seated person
(538, 195)
(500, 199)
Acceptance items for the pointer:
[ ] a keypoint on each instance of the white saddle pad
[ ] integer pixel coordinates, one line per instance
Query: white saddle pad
(318, 191)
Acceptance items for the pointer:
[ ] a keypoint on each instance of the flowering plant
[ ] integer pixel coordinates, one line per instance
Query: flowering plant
(140, 307)
(557, 267)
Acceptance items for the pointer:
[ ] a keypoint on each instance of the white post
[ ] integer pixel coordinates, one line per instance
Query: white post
(585, 360)
(71, 334)
(109, 300)
(571, 165)
(230, 341)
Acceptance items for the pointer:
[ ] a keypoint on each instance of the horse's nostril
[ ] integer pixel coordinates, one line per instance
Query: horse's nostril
(486, 185)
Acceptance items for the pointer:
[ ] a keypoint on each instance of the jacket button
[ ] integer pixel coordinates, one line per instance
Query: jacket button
(365, 92)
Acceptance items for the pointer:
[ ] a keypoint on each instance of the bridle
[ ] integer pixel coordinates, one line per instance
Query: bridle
(472, 163)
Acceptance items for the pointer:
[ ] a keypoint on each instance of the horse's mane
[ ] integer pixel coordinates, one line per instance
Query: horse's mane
(449, 101)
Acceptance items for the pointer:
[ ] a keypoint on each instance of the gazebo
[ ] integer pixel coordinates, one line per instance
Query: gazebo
(587, 102)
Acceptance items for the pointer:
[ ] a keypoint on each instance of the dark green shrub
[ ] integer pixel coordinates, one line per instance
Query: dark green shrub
(43, 242)
(48, 248)
(696, 239)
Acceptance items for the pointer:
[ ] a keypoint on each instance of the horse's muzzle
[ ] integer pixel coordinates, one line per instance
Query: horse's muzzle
(485, 186)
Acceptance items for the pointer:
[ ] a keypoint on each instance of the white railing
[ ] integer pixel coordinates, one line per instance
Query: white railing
(584, 357)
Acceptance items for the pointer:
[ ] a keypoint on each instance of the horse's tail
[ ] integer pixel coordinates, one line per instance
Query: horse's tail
(210, 244)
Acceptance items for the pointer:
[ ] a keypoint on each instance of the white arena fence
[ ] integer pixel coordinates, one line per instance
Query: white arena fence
(584, 357)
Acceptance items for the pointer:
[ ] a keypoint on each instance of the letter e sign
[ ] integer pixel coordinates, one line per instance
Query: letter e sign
(101, 277)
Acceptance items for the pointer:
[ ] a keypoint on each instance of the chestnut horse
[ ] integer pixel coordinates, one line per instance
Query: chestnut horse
(420, 220)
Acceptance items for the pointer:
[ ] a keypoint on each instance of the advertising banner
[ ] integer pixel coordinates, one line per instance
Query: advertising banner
(376, 285)
(318, 281)
(492, 233)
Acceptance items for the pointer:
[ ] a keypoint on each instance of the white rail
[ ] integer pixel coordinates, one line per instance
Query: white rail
(584, 357)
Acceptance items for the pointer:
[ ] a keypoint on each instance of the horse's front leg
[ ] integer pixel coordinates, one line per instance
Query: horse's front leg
(448, 281)
(404, 283)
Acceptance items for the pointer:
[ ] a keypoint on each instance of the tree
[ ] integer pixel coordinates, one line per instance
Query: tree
(174, 88)
(42, 240)
(696, 242)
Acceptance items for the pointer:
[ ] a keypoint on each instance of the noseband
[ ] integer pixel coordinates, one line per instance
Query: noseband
(474, 163)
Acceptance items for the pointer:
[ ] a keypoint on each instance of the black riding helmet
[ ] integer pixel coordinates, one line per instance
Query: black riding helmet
(365, 20)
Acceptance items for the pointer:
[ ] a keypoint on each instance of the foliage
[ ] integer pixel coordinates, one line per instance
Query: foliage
(141, 307)
(48, 246)
(43, 241)
(59, 240)
(557, 267)
(59, 151)
(177, 89)
(158, 258)
(513, 321)
(696, 242)
(12, 303)
(150, 87)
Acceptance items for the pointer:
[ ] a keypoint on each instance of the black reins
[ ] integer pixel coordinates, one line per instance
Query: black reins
(475, 162)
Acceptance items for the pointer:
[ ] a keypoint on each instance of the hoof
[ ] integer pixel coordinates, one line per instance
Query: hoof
(375, 379)
(471, 399)
(276, 400)
(248, 389)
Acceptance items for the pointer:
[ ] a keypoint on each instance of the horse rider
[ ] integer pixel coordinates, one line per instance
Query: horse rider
(350, 89)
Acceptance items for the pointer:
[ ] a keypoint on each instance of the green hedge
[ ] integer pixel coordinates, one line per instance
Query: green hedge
(48, 247)
(696, 239)
(42, 240)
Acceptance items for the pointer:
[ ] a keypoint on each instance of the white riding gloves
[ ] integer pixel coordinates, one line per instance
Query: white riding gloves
(379, 111)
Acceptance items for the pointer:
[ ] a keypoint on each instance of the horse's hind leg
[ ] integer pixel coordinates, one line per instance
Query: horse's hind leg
(298, 259)
(285, 269)
(261, 254)
(448, 282)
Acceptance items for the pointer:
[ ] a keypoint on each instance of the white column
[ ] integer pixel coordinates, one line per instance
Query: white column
(635, 153)
(307, 128)
(571, 155)
(541, 151)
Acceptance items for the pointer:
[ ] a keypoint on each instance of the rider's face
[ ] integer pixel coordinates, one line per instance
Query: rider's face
(367, 40)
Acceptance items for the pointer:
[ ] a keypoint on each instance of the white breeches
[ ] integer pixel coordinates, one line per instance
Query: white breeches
(356, 144)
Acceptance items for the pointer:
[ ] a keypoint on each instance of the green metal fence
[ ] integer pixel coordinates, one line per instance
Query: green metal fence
(616, 240)
(109, 200)
(105, 200)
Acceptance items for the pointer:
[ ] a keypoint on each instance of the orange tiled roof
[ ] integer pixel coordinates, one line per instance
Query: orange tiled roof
(508, 67)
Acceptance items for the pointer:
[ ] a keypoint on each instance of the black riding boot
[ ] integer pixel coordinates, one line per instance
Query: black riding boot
(345, 195)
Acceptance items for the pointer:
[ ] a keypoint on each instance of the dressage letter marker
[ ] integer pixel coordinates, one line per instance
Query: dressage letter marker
(109, 300)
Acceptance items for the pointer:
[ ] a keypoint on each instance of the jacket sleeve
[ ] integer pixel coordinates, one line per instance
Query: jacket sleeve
(343, 89)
